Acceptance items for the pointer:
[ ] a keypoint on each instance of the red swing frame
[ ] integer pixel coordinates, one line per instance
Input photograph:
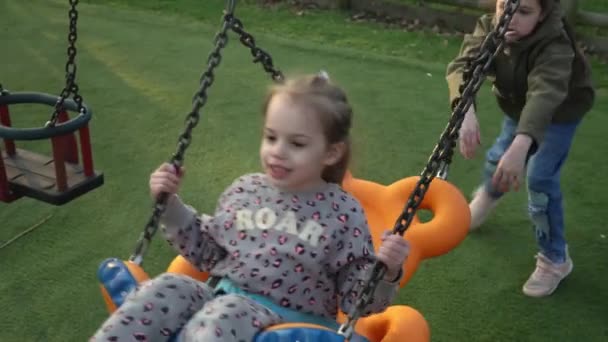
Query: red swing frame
(55, 180)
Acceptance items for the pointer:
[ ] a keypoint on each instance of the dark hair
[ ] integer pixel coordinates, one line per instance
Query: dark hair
(544, 4)
(331, 105)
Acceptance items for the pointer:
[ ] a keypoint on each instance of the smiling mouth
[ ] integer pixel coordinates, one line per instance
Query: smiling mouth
(278, 172)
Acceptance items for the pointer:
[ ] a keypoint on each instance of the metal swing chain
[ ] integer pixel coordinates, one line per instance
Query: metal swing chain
(259, 55)
(70, 68)
(480, 64)
(200, 98)
(185, 138)
(473, 78)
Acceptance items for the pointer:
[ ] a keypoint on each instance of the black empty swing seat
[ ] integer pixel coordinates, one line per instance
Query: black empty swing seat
(55, 179)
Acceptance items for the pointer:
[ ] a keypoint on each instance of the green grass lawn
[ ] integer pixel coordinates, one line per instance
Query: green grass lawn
(139, 65)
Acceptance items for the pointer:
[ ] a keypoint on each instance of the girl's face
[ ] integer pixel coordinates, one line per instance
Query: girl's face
(523, 23)
(294, 149)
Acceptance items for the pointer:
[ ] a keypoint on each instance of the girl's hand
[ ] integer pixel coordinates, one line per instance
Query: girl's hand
(392, 253)
(165, 179)
(510, 170)
(469, 135)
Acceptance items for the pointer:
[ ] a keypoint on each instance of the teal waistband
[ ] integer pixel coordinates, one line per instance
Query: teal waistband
(289, 315)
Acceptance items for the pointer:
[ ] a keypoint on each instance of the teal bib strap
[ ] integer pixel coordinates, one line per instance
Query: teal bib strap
(290, 316)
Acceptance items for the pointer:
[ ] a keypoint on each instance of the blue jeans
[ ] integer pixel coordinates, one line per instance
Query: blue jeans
(543, 182)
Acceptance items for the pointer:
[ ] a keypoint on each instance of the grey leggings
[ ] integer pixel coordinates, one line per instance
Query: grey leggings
(160, 307)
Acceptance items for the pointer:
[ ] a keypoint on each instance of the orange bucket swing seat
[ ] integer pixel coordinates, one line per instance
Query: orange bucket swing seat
(447, 228)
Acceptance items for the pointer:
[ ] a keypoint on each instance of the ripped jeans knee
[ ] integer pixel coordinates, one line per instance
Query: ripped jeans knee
(538, 203)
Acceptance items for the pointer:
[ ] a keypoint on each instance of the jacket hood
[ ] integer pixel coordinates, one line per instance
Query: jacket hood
(551, 26)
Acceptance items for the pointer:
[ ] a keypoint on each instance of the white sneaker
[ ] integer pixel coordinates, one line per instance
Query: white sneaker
(481, 206)
(546, 276)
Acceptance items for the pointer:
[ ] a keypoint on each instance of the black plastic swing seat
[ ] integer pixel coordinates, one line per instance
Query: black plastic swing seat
(57, 179)
(33, 175)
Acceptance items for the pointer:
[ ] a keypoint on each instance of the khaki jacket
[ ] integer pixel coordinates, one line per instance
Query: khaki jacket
(539, 80)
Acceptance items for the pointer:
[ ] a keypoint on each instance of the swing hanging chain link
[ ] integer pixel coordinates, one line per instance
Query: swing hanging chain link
(473, 78)
(70, 69)
(185, 138)
(230, 22)
(259, 55)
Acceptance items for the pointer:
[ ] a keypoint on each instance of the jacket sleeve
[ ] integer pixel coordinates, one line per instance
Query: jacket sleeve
(469, 48)
(355, 264)
(548, 85)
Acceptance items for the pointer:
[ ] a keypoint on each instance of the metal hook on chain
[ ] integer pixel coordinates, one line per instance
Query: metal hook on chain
(443, 171)
(230, 6)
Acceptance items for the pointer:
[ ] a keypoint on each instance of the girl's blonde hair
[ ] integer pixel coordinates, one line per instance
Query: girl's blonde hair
(330, 104)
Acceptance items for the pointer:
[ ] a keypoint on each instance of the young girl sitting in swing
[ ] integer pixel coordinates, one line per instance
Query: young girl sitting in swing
(289, 244)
